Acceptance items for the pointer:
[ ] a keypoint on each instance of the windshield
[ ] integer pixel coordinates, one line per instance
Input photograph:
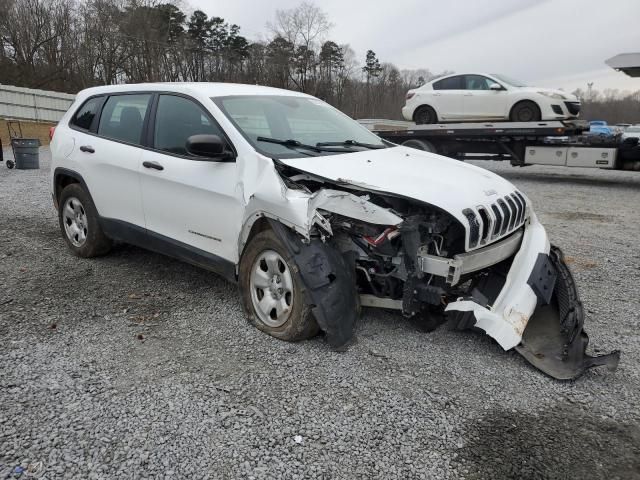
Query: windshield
(633, 129)
(511, 81)
(282, 126)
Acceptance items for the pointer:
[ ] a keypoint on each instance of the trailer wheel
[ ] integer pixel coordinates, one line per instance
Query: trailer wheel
(525, 111)
(425, 145)
(425, 115)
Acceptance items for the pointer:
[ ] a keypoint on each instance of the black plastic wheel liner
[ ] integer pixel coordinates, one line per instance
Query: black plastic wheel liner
(554, 340)
(329, 282)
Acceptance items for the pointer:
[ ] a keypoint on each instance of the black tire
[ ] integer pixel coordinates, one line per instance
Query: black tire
(10, 164)
(424, 145)
(95, 243)
(525, 111)
(300, 324)
(425, 115)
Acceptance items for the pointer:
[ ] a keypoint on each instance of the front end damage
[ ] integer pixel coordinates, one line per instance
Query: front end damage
(489, 268)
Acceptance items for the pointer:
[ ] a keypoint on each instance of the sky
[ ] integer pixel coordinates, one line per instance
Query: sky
(547, 43)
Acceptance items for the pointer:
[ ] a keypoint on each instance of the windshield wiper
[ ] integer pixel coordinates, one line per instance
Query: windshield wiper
(350, 143)
(289, 143)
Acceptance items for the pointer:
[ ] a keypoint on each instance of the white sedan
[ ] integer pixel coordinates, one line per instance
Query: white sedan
(632, 131)
(481, 97)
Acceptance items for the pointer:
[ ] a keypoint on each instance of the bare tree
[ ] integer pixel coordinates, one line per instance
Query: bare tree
(68, 45)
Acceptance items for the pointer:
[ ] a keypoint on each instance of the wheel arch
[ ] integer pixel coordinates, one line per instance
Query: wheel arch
(524, 100)
(258, 222)
(63, 177)
(425, 105)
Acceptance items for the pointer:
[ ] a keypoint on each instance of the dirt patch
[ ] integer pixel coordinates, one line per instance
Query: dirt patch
(564, 441)
(580, 263)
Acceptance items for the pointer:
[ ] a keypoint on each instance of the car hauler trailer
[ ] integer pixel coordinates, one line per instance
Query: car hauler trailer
(520, 143)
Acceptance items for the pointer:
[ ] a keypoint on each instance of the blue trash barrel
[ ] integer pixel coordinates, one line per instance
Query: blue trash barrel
(26, 152)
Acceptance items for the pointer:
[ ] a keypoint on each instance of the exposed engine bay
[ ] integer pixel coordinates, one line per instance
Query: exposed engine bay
(414, 257)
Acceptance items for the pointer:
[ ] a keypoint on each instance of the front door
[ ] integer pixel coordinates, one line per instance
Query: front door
(482, 103)
(185, 198)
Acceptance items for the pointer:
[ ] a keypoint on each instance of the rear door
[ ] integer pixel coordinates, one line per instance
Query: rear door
(108, 155)
(448, 97)
(482, 103)
(186, 198)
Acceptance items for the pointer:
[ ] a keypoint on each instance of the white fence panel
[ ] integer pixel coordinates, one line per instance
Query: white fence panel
(30, 104)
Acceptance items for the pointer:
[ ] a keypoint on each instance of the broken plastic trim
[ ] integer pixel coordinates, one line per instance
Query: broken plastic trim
(328, 278)
(554, 340)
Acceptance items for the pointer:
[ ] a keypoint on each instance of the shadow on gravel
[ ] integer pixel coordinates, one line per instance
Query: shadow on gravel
(561, 442)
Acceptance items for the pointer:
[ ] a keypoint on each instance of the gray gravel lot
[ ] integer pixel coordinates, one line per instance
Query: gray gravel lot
(138, 366)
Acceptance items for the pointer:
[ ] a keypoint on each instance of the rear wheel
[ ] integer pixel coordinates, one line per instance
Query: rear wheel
(526, 111)
(425, 115)
(272, 291)
(78, 219)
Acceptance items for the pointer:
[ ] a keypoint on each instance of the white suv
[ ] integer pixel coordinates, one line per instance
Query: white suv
(482, 97)
(312, 215)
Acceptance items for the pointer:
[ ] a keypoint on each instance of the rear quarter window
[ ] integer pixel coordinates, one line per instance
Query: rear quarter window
(83, 118)
(451, 83)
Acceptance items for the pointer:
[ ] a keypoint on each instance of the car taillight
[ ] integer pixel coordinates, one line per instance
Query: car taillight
(52, 130)
(410, 95)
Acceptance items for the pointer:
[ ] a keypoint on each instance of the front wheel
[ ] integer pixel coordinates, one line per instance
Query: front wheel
(526, 111)
(273, 294)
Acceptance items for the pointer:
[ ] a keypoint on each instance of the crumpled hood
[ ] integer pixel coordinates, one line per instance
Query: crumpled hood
(449, 184)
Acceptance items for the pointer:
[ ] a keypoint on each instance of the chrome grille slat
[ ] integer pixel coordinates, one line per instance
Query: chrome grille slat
(492, 221)
(498, 223)
(524, 205)
(507, 216)
(516, 200)
(514, 212)
(485, 228)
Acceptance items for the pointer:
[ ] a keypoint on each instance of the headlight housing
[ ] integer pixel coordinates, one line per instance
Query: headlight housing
(557, 96)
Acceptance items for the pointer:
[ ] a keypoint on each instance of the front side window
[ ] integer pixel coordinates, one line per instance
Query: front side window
(178, 118)
(477, 82)
(86, 113)
(265, 119)
(123, 117)
(451, 83)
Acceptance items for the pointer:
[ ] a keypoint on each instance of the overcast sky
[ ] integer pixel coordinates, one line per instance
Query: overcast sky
(554, 43)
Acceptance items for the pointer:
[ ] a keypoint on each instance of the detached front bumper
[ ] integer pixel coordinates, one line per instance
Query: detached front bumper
(538, 310)
(507, 318)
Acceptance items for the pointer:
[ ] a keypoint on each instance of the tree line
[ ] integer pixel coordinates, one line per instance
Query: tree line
(68, 45)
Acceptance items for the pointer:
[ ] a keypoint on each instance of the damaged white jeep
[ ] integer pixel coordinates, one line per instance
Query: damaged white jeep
(313, 216)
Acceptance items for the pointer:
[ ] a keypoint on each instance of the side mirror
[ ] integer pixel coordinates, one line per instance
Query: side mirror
(495, 86)
(209, 147)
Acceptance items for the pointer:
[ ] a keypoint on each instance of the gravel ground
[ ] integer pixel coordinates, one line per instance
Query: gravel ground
(135, 365)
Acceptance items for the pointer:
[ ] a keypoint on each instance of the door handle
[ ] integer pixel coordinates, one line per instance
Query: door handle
(87, 149)
(468, 94)
(154, 165)
(437, 94)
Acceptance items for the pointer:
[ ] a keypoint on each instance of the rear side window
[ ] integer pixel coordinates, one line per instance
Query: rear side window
(177, 118)
(123, 117)
(451, 83)
(86, 113)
